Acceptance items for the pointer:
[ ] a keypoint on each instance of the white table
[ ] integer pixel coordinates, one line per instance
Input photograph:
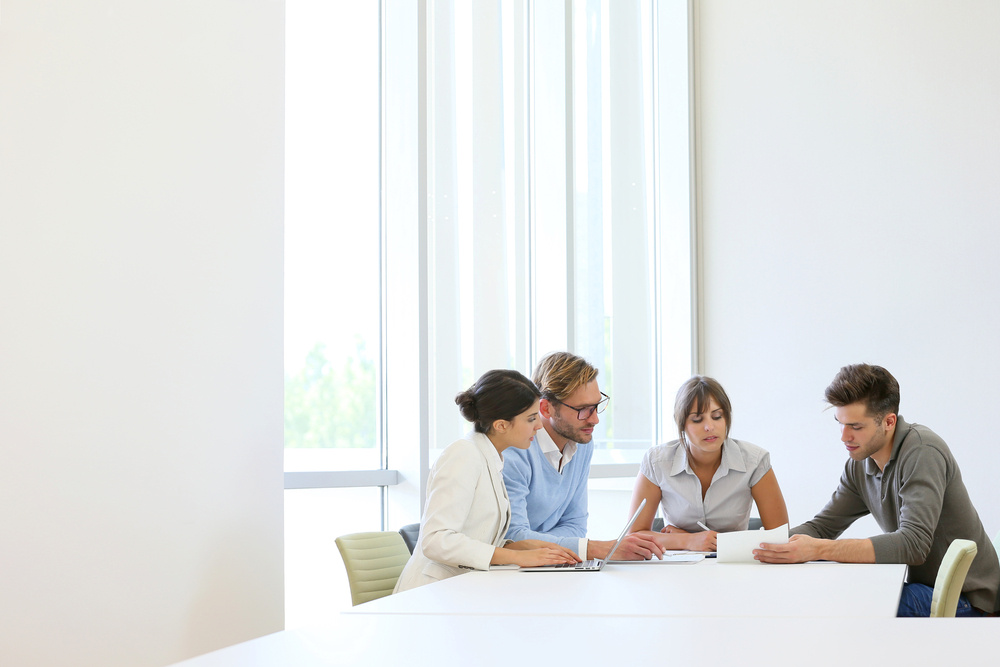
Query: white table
(708, 588)
(487, 641)
(675, 614)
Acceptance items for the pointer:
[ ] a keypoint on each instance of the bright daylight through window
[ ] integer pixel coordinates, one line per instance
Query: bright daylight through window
(535, 158)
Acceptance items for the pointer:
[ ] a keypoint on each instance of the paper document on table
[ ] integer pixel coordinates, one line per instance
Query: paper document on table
(668, 557)
(737, 547)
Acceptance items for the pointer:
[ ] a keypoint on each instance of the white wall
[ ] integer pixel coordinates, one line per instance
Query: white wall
(849, 170)
(140, 328)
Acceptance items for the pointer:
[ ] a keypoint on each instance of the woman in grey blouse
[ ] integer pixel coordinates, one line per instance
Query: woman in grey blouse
(705, 481)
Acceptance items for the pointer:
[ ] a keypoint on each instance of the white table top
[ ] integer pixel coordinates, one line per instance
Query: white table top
(701, 613)
(708, 588)
(485, 641)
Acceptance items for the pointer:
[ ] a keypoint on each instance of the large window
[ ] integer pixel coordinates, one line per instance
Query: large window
(332, 293)
(471, 185)
(332, 235)
(549, 127)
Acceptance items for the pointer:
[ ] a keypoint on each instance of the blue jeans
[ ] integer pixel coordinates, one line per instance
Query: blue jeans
(916, 601)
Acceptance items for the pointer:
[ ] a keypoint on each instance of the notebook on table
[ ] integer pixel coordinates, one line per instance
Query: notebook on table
(594, 564)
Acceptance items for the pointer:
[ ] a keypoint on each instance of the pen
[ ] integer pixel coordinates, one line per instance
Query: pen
(703, 526)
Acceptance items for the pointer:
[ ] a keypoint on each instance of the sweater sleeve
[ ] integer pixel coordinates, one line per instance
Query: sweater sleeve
(923, 478)
(449, 500)
(844, 508)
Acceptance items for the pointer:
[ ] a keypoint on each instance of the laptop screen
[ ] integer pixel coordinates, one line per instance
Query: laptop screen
(628, 527)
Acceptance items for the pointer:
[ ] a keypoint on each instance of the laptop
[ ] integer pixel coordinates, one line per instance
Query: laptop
(594, 564)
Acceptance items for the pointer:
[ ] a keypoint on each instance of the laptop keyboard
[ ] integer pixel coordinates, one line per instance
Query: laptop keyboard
(593, 562)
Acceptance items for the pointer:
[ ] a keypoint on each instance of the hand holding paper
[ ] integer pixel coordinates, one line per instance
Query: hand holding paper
(738, 546)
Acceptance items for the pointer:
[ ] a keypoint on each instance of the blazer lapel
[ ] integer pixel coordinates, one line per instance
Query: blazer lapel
(494, 465)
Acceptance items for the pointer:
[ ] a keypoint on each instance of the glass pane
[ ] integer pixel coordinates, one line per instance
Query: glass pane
(332, 253)
(316, 587)
(608, 501)
(612, 294)
(476, 225)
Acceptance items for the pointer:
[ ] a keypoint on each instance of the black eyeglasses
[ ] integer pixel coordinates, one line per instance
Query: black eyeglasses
(587, 410)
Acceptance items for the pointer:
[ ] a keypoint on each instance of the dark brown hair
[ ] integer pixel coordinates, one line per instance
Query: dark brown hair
(694, 396)
(499, 394)
(863, 383)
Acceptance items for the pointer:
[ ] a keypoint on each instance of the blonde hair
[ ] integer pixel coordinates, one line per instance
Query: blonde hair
(559, 374)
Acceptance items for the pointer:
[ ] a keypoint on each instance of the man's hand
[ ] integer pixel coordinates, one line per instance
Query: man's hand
(800, 548)
(634, 547)
(638, 547)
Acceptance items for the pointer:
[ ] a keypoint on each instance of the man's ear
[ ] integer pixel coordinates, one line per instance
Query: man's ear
(890, 421)
(545, 408)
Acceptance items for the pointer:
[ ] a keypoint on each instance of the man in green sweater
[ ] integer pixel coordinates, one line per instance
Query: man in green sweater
(905, 476)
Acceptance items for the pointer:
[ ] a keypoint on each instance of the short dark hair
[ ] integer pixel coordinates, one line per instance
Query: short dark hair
(864, 383)
(694, 395)
(559, 374)
(498, 394)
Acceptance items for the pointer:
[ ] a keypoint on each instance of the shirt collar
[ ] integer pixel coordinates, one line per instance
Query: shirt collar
(732, 459)
(902, 428)
(559, 460)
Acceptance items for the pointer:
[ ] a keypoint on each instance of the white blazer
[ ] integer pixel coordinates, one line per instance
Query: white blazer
(466, 515)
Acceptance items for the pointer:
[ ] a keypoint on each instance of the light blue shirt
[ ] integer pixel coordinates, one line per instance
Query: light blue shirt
(727, 502)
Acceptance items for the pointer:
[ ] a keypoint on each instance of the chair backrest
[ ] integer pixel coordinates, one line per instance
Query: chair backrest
(951, 577)
(410, 533)
(755, 524)
(374, 562)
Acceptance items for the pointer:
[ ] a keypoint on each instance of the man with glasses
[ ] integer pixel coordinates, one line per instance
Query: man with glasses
(547, 483)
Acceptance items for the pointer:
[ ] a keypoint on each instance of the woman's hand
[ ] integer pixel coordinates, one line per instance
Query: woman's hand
(672, 529)
(529, 553)
(703, 541)
(551, 555)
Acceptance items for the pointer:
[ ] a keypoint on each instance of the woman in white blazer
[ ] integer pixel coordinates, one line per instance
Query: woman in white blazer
(467, 512)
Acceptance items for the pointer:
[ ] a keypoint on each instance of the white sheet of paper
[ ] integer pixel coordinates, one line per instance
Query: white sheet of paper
(738, 546)
(668, 557)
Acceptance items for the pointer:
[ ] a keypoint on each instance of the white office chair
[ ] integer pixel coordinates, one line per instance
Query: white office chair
(951, 577)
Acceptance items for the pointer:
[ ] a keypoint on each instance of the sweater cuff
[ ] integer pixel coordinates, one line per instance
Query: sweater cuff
(582, 549)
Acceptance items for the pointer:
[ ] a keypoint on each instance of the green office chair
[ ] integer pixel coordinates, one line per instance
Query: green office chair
(374, 562)
(951, 577)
